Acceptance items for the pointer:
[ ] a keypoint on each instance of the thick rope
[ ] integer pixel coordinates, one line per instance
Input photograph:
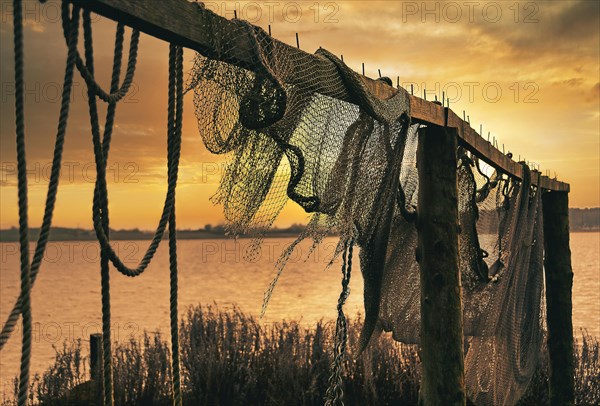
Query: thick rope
(175, 122)
(335, 393)
(106, 364)
(100, 193)
(97, 207)
(101, 234)
(40, 248)
(22, 186)
(116, 94)
(100, 204)
(101, 149)
(101, 180)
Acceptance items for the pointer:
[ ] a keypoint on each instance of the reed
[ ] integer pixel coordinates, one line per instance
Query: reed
(230, 358)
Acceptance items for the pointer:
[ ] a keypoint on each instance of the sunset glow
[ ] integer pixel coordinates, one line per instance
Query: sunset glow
(528, 72)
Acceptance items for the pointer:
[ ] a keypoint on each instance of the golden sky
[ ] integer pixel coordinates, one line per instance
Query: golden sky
(528, 71)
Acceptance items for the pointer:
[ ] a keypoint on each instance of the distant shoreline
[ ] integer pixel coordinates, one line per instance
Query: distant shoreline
(77, 234)
(58, 234)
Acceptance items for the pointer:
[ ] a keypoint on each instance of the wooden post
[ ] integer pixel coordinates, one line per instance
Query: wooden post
(559, 306)
(442, 358)
(95, 356)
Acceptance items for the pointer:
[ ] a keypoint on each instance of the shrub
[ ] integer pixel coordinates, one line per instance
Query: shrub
(230, 358)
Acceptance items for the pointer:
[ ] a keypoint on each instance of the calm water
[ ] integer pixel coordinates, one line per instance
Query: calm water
(66, 298)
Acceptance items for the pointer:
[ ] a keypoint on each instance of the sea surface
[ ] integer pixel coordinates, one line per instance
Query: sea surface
(66, 296)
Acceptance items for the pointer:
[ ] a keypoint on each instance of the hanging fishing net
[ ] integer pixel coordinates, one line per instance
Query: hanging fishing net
(289, 135)
(353, 165)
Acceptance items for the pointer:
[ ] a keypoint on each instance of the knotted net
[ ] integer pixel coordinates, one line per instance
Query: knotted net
(290, 136)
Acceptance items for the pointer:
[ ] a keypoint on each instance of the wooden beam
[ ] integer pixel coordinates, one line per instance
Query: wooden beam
(443, 377)
(191, 25)
(432, 113)
(559, 305)
(486, 151)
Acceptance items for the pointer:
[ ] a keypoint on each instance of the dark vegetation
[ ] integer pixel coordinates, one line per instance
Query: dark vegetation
(579, 220)
(584, 219)
(78, 234)
(229, 358)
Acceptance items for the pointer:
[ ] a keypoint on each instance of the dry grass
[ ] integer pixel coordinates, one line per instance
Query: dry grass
(229, 358)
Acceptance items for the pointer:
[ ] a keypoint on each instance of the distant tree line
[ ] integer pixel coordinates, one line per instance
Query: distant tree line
(584, 219)
(579, 220)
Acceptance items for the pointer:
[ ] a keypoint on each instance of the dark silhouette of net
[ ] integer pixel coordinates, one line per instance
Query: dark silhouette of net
(353, 166)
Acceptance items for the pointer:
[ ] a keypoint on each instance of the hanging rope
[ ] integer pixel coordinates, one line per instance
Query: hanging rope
(335, 393)
(100, 192)
(175, 122)
(22, 192)
(116, 93)
(100, 204)
(72, 35)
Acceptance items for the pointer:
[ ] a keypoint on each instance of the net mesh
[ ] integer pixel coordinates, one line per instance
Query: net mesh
(353, 165)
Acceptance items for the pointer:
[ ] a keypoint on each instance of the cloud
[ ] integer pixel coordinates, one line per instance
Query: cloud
(593, 95)
(557, 50)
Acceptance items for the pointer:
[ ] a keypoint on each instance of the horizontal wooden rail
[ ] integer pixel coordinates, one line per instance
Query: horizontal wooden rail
(190, 25)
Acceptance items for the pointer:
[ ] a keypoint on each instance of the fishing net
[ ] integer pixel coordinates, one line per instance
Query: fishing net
(289, 136)
(500, 262)
(307, 128)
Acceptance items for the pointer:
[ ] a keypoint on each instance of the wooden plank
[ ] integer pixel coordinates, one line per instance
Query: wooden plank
(192, 26)
(426, 112)
(484, 150)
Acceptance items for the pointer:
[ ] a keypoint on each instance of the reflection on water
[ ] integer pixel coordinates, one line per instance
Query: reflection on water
(66, 298)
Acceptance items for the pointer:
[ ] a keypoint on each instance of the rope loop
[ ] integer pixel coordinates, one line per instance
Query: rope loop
(100, 154)
(88, 75)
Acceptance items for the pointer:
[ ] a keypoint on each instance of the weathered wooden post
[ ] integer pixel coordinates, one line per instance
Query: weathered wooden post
(559, 306)
(95, 351)
(442, 358)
